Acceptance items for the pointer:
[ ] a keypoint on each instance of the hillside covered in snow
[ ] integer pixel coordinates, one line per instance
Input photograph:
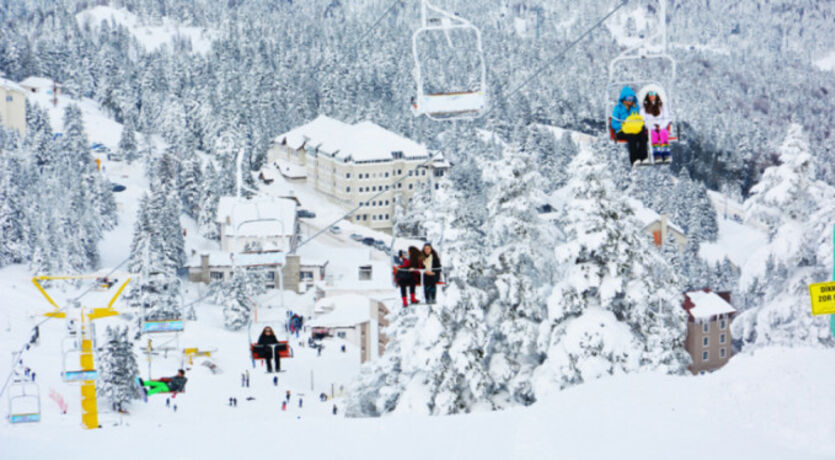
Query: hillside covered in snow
(562, 326)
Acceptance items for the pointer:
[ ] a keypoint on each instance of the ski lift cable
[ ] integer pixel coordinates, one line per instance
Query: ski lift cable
(19, 354)
(362, 37)
(422, 165)
(562, 53)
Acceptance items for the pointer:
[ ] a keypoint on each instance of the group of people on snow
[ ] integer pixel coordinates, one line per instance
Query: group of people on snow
(631, 120)
(418, 267)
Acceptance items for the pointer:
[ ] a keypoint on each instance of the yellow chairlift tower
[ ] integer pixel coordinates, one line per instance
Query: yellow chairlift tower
(87, 373)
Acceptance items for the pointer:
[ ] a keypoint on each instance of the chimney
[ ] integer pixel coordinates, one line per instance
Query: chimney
(663, 228)
(204, 267)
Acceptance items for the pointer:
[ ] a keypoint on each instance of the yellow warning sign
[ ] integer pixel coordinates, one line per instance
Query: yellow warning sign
(823, 298)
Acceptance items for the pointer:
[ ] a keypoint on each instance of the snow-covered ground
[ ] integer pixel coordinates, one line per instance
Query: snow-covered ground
(827, 62)
(774, 404)
(151, 36)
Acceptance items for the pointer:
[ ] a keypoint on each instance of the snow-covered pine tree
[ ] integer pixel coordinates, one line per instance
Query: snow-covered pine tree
(127, 143)
(190, 180)
(117, 368)
(616, 306)
(797, 211)
(434, 362)
(209, 199)
(237, 295)
(520, 259)
(14, 225)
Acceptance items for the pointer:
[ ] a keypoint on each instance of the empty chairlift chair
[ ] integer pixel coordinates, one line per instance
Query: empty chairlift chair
(449, 103)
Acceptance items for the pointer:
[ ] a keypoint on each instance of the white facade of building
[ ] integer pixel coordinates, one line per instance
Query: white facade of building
(350, 164)
(12, 106)
(357, 319)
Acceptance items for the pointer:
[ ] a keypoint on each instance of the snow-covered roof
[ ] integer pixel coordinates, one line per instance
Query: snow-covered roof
(373, 142)
(10, 85)
(647, 216)
(38, 82)
(263, 207)
(224, 259)
(291, 171)
(269, 173)
(708, 304)
(344, 266)
(342, 311)
(364, 141)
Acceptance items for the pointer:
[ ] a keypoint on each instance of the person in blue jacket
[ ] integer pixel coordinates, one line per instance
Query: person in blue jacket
(628, 125)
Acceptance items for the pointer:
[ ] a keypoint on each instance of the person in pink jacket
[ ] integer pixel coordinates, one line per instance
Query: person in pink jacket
(658, 122)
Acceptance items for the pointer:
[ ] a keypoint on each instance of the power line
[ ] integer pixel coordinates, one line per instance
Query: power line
(405, 176)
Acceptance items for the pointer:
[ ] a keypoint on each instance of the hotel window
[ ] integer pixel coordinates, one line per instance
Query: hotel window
(8, 99)
(705, 355)
(399, 171)
(387, 174)
(722, 353)
(722, 324)
(387, 187)
(706, 327)
(347, 189)
(347, 175)
(436, 186)
(216, 275)
(423, 173)
(721, 338)
(410, 173)
(387, 202)
(387, 217)
(705, 341)
(374, 188)
(373, 217)
(410, 186)
(365, 272)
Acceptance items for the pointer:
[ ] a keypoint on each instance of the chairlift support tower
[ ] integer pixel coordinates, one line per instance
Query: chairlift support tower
(86, 374)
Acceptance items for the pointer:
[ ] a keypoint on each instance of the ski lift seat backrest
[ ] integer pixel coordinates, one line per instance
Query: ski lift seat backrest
(452, 104)
(28, 396)
(283, 348)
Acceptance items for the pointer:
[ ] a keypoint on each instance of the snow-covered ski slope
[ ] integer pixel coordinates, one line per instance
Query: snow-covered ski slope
(151, 36)
(774, 404)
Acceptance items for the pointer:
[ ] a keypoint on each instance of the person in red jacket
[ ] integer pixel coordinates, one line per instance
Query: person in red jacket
(407, 278)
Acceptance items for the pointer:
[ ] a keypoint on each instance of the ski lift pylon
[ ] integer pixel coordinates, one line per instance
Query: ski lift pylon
(450, 104)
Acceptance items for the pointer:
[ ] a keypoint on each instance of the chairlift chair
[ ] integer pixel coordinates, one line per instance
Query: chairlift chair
(452, 104)
(651, 52)
(75, 353)
(24, 399)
